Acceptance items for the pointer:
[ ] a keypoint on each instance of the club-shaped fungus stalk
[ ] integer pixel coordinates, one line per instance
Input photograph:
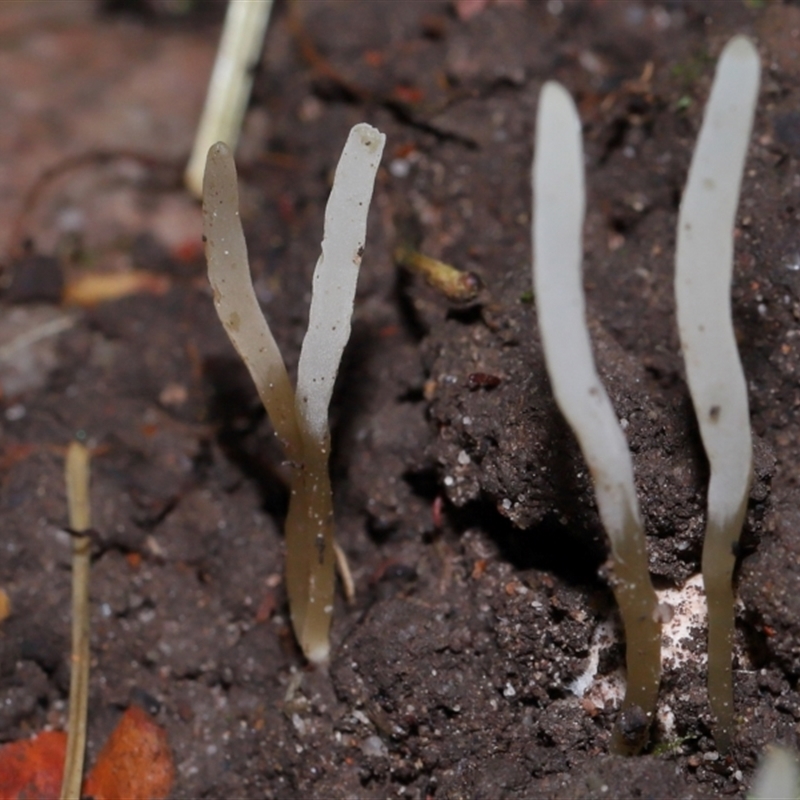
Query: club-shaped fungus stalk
(704, 265)
(300, 419)
(559, 206)
(231, 80)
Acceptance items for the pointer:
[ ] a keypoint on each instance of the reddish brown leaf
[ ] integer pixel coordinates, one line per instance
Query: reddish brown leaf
(33, 768)
(135, 762)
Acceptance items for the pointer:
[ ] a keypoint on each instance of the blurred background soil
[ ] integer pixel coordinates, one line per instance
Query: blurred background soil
(462, 502)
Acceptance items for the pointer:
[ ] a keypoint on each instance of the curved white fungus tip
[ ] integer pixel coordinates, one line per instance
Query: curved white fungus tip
(335, 276)
(704, 265)
(558, 288)
(234, 296)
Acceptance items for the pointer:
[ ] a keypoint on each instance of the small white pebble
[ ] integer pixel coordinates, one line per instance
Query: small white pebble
(374, 746)
(299, 724)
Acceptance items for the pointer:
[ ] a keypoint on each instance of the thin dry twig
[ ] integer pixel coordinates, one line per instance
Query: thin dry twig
(77, 479)
(343, 568)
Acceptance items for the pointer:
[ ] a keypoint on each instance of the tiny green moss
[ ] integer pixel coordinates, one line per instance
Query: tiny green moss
(672, 747)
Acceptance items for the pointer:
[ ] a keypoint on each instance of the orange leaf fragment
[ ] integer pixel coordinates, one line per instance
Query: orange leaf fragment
(93, 288)
(33, 768)
(135, 762)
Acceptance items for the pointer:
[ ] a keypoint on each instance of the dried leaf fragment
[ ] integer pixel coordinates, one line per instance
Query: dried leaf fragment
(94, 288)
(5, 605)
(135, 762)
(32, 768)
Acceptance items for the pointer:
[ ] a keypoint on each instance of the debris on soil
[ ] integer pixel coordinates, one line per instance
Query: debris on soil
(33, 767)
(463, 505)
(135, 762)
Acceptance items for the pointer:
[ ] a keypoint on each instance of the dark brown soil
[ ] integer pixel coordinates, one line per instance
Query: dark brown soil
(464, 507)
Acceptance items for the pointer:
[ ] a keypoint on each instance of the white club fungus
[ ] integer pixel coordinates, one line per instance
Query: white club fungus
(559, 205)
(301, 420)
(704, 264)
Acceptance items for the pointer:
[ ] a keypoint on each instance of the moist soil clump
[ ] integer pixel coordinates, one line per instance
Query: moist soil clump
(481, 656)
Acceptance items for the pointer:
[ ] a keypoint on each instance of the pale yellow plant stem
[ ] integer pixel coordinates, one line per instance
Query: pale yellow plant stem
(77, 479)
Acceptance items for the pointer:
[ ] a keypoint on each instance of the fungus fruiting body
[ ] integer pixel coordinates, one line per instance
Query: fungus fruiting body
(704, 264)
(559, 205)
(300, 418)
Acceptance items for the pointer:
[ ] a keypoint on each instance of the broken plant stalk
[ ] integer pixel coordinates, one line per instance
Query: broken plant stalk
(231, 81)
(77, 479)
